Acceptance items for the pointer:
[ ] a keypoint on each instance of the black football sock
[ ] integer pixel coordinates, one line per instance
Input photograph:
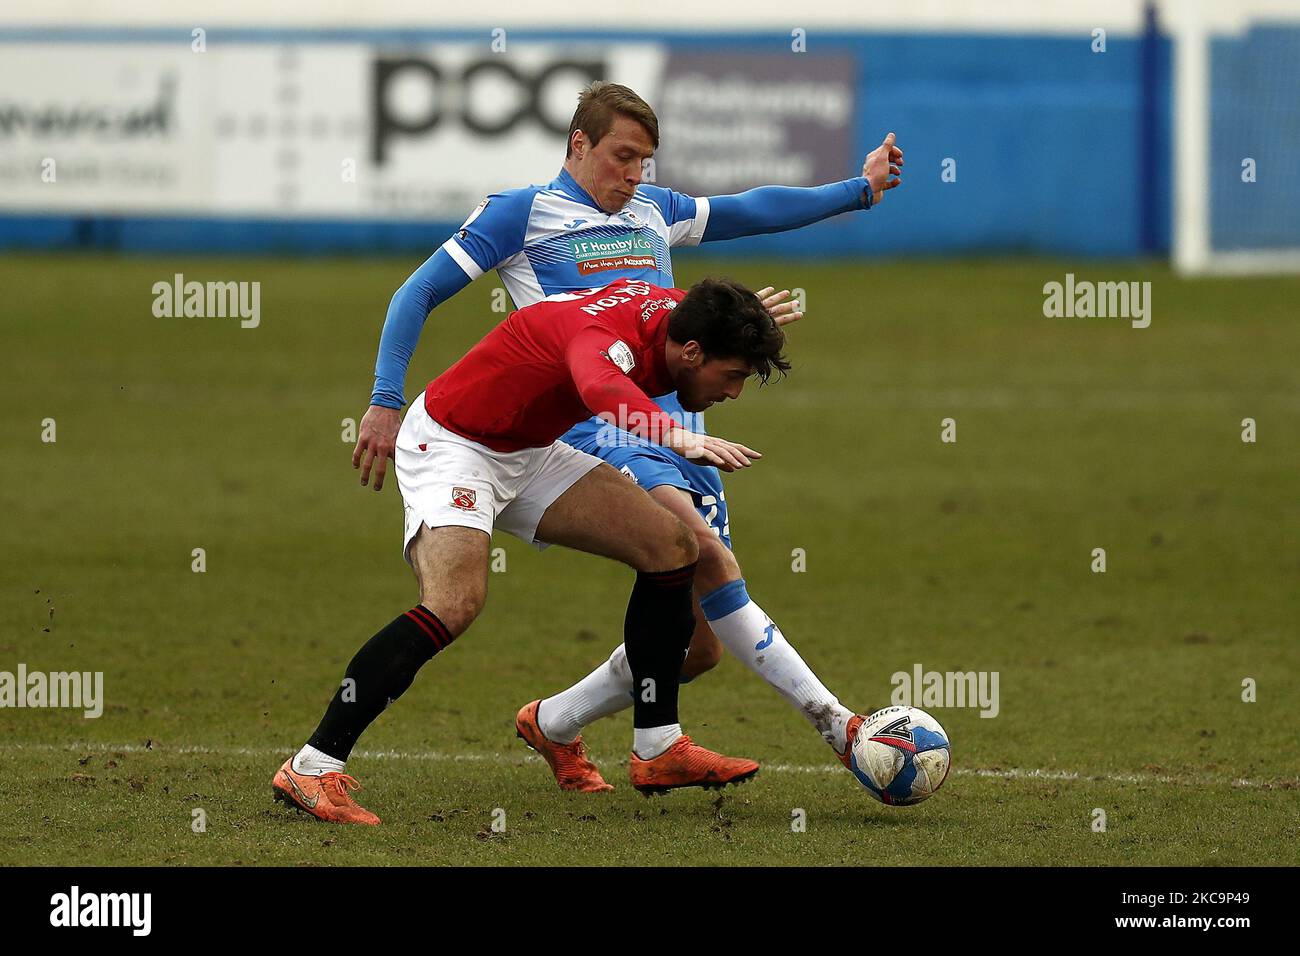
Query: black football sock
(656, 634)
(379, 674)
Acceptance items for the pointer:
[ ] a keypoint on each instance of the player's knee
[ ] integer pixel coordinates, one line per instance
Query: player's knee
(456, 611)
(718, 566)
(685, 549)
(671, 545)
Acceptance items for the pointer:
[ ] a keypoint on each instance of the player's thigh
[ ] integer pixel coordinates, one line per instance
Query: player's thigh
(451, 566)
(691, 492)
(717, 565)
(606, 514)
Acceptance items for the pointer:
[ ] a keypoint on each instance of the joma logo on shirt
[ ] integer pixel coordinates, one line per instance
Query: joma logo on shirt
(599, 255)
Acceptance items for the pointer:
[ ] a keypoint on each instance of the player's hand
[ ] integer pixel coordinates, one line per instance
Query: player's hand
(882, 162)
(710, 450)
(375, 443)
(781, 311)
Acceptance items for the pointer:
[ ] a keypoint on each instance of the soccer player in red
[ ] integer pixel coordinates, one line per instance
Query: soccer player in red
(482, 451)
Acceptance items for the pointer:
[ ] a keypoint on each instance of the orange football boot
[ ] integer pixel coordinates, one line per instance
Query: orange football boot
(569, 763)
(325, 797)
(850, 733)
(685, 764)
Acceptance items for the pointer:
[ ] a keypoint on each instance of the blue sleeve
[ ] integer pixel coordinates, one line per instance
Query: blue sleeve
(778, 208)
(492, 234)
(436, 281)
(494, 231)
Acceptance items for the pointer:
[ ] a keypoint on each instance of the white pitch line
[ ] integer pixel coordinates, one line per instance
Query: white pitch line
(1020, 773)
(1008, 773)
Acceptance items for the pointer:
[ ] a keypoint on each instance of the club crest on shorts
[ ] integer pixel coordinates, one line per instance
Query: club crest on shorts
(464, 499)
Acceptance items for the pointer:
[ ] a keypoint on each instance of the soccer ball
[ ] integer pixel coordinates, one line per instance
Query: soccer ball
(901, 755)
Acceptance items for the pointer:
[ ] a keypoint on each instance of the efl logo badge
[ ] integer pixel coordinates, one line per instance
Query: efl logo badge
(621, 355)
(464, 499)
(478, 211)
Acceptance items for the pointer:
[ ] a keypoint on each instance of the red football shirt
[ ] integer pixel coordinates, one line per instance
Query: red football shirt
(554, 363)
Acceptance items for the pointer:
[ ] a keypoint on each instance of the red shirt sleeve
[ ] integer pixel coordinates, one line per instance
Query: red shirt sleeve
(606, 389)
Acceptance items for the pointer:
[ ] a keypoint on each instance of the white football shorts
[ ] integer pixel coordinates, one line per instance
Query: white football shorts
(448, 480)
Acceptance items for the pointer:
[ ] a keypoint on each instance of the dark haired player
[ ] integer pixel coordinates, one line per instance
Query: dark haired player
(594, 223)
(482, 451)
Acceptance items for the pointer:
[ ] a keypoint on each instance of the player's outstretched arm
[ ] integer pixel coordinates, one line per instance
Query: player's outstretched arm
(437, 280)
(768, 209)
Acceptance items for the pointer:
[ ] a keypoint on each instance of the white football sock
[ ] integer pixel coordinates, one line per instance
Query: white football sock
(750, 635)
(605, 691)
(650, 742)
(312, 763)
(741, 626)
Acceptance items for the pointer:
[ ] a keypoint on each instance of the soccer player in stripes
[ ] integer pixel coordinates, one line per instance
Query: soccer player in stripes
(482, 451)
(594, 223)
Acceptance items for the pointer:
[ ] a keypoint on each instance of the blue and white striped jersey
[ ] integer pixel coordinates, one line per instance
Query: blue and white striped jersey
(554, 238)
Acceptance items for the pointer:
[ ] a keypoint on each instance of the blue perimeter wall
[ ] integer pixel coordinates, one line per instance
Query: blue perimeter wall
(1059, 150)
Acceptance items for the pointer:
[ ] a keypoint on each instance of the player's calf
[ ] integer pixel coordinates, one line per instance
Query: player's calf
(705, 651)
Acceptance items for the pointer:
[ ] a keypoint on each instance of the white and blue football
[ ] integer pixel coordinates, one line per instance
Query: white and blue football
(901, 755)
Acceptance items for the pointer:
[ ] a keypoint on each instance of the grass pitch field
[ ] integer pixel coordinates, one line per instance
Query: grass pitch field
(1120, 691)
